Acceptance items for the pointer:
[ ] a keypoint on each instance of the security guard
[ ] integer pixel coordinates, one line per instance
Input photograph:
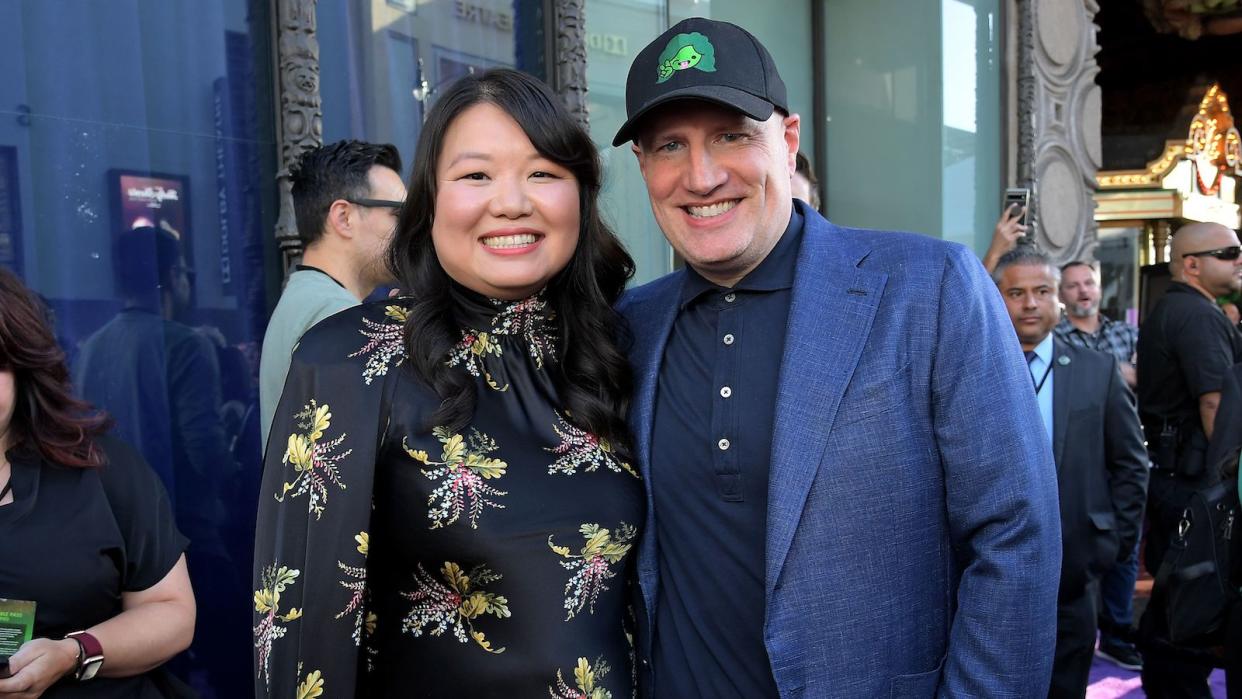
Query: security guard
(1186, 347)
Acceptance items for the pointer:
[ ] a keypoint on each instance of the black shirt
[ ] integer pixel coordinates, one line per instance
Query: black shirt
(711, 454)
(484, 561)
(1185, 348)
(74, 539)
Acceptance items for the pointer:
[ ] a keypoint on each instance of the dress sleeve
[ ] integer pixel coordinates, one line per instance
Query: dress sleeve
(312, 536)
(143, 514)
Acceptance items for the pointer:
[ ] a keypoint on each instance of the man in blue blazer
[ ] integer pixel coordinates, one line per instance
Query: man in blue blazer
(848, 491)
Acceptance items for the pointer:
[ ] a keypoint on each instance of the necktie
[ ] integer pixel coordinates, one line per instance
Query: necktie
(1030, 356)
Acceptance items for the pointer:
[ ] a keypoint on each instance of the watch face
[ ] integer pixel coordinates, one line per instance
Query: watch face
(89, 667)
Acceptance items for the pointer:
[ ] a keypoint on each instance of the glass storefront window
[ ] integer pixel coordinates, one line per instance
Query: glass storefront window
(914, 130)
(616, 31)
(137, 167)
(384, 61)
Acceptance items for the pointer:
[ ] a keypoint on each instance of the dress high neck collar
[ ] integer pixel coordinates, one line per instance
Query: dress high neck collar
(530, 321)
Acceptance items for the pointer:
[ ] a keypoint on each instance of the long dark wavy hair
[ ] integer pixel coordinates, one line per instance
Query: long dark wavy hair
(47, 419)
(593, 377)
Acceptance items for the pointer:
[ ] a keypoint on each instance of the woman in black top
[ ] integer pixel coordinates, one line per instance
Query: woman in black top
(448, 506)
(86, 531)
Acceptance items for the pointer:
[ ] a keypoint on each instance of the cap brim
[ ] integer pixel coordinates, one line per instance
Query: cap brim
(731, 97)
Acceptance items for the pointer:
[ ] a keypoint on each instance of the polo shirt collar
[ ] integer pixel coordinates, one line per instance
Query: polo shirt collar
(774, 273)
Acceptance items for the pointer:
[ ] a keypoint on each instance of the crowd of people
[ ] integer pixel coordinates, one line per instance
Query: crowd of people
(816, 461)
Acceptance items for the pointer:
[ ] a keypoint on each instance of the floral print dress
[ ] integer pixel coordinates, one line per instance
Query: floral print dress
(396, 560)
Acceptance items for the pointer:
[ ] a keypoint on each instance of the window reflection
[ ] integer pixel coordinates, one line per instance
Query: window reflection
(384, 61)
(137, 198)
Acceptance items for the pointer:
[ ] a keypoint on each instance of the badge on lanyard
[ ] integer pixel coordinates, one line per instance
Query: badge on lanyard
(16, 627)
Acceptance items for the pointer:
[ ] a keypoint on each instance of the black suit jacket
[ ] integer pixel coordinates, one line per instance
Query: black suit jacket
(1097, 443)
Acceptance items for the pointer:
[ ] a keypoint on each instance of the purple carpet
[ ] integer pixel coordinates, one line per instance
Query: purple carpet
(1111, 682)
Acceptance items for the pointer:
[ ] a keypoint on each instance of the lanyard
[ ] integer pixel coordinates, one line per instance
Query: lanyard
(1040, 385)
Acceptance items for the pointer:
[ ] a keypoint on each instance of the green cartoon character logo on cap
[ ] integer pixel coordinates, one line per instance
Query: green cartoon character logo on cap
(686, 51)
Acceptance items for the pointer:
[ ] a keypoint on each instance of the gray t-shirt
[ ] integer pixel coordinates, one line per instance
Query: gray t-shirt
(309, 297)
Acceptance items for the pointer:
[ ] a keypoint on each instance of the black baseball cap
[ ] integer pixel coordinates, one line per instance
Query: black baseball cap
(702, 59)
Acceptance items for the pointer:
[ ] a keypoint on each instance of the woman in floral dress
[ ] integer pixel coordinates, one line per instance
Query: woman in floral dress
(448, 505)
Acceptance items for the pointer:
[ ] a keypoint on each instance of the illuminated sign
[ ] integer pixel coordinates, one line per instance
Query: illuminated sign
(1214, 145)
(478, 14)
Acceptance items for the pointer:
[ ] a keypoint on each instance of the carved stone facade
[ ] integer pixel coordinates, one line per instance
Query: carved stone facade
(1059, 122)
(301, 116)
(569, 62)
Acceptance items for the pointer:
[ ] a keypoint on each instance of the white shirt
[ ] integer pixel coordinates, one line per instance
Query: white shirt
(1039, 365)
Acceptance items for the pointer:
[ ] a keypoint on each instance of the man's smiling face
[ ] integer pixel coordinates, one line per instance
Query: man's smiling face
(719, 183)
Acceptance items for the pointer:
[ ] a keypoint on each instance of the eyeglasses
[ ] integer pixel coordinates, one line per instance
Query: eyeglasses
(1228, 254)
(377, 203)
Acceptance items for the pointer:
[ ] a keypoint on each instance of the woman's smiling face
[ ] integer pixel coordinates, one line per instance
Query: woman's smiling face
(506, 217)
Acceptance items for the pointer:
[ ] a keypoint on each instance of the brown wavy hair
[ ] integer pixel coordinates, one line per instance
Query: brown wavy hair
(47, 418)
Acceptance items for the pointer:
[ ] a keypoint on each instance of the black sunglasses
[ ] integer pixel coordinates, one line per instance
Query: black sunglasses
(376, 203)
(1228, 254)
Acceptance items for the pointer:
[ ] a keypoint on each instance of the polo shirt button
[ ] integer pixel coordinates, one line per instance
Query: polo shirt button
(730, 297)
(725, 392)
(723, 444)
(728, 339)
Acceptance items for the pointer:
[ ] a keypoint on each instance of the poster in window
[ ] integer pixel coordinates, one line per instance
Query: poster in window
(152, 199)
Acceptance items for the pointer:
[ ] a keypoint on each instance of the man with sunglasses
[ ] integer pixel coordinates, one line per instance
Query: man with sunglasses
(346, 196)
(1186, 348)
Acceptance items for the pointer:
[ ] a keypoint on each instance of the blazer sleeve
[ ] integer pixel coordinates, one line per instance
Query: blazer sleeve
(1125, 455)
(1001, 493)
(312, 540)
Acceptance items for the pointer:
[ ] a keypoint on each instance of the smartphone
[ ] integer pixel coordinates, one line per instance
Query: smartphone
(1020, 197)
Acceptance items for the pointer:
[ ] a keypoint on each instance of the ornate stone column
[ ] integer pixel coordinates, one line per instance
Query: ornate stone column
(301, 119)
(1059, 122)
(569, 57)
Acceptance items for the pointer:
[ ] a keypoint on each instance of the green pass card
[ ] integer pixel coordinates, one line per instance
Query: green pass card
(16, 625)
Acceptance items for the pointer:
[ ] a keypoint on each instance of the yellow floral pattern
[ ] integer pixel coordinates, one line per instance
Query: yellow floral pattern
(462, 472)
(356, 583)
(585, 686)
(385, 343)
(312, 686)
(470, 352)
(528, 319)
(593, 564)
(581, 449)
(454, 602)
(274, 580)
(312, 458)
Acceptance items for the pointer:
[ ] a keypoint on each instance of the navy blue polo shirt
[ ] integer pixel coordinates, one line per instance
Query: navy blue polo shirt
(710, 457)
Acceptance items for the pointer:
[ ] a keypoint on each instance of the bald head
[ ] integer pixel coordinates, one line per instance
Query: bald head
(1211, 274)
(1194, 237)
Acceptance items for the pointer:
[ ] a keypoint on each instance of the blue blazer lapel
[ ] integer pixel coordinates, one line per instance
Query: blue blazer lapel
(833, 306)
(651, 322)
(650, 337)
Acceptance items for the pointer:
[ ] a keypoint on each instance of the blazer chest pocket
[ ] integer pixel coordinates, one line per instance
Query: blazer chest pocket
(874, 393)
(923, 684)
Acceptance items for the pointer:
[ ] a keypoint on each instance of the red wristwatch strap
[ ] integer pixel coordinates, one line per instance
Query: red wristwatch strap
(90, 644)
(90, 657)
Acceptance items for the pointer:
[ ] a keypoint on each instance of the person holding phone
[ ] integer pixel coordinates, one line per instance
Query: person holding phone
(1005, 236)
